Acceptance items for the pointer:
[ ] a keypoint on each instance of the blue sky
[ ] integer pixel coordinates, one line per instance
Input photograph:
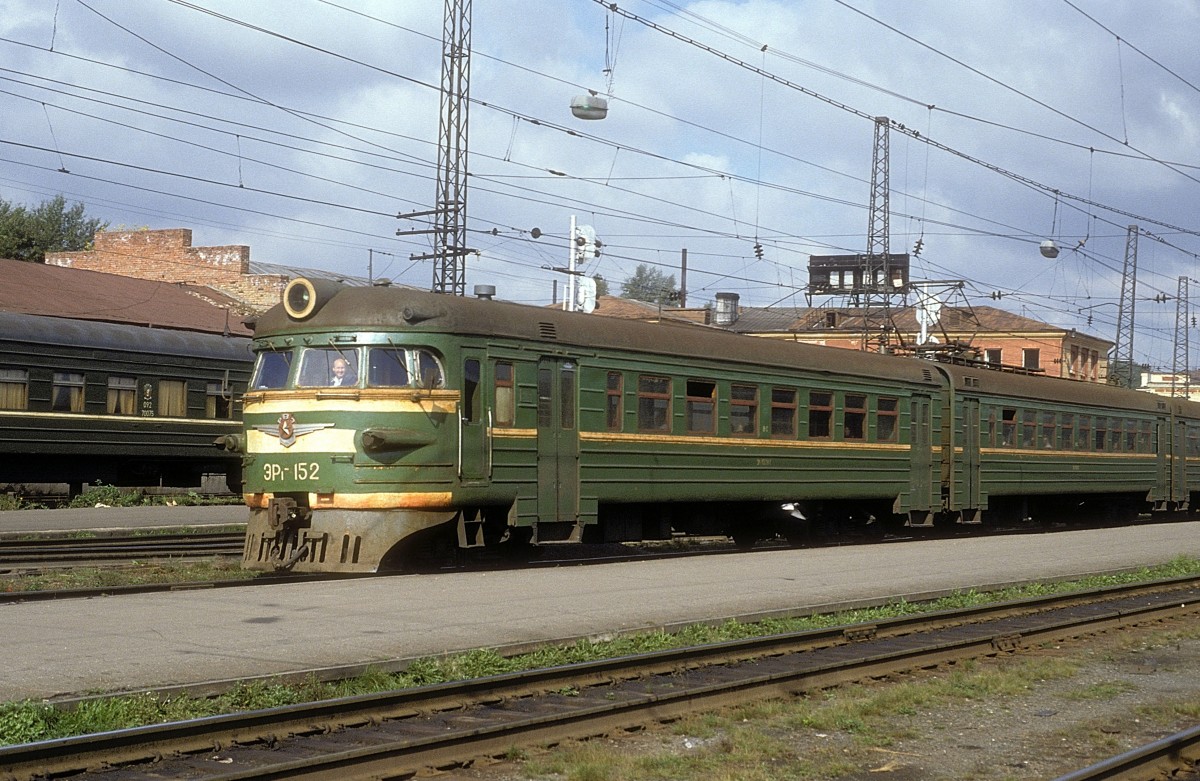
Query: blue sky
(302, 128)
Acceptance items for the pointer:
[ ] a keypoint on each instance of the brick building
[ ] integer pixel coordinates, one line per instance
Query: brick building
(168, 256)
(980, 333)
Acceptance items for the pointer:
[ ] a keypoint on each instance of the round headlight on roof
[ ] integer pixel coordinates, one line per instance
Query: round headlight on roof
(303, 297)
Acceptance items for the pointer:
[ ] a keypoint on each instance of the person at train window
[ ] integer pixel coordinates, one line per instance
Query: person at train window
(341, 373)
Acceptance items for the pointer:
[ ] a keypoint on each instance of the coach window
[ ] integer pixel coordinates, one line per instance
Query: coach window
(1046, 440)
(1114, 434)
(1066, 435)
(820, 414)
(67, 392)
(1083, 433)
(271, 370)
(218, 401)
(614, 393)
(701, 404)
(1008, 428)
(1145, 437)
(505, 394)
(783, 412)
(172, 398)
(1028, 428)
(1130, 436)
(122, 393)
(1100, 433)
(854, 422)
(14, 389)
(1119, 436)
(654, 403)
(743, 410)
(886, 417)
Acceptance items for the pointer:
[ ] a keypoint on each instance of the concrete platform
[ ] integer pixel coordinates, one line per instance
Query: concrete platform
(120, 643)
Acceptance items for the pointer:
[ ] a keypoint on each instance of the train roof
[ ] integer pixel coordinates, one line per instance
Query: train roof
(403, 309)
(89, 334)
(406, 309)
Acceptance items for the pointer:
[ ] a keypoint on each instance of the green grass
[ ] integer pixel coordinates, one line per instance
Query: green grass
(851, 713)
(142, 574)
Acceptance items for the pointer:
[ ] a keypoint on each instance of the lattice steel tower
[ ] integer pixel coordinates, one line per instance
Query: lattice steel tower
(450, 226)
(876, 274)
(1180, 365)
(1122, 354)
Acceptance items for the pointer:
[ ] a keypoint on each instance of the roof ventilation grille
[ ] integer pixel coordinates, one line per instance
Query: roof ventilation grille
(547, 331)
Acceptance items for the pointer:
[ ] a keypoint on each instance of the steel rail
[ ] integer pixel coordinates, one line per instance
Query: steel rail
(60, 551)
(1153, 760)
(439, 726)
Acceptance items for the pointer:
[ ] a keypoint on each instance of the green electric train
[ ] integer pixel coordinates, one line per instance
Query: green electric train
(384, 426)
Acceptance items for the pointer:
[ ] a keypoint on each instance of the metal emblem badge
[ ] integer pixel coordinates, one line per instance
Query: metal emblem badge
(287, 430)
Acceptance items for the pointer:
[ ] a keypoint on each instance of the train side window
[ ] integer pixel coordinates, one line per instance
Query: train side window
(1028, 428)
(1083, 433)
(14, 389)
(1046, 440)
(429, 370)
(743, 410)
(218, 401)
(1130, 436)
(66, 394)
(271, 370)
(122, 393)
(172, 398)
(1193, 440)
(505, 394)
(1008, 427)
(1145, 437)
(1067, 432)
(886, 419)
(854, 421)
(545, 389)
(820, 414)
(1100, 433)
(566, 380)
(654, 403)
(700, 406)
(614, 394)
(470, 389)
(1114, 434)
(783, 412)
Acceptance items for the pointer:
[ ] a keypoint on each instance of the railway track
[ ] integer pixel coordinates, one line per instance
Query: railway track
(403, 733)
(1175, 756)
(46, 552)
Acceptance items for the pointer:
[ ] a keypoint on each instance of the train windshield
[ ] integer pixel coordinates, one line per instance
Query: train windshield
(328, 367)
(398, 367)
(271, 370)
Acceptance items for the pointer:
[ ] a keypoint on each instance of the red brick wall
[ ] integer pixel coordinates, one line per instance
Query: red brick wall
(168, 256)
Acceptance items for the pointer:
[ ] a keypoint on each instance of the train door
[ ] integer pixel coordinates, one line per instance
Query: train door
(1179, 445)
(969, 497)
(557, 440)
(920, 428)
(473, 425)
